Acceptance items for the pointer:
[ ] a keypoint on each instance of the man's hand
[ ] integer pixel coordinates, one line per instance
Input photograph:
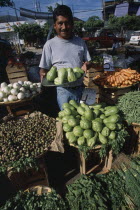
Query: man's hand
(42, 73)
(87, 65)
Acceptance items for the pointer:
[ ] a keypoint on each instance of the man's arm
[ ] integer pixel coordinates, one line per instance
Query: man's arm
(43, 73)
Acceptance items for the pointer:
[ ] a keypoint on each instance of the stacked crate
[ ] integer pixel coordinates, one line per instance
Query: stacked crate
(16, 73)
(91, 73)
(111, 95)
(88, 79)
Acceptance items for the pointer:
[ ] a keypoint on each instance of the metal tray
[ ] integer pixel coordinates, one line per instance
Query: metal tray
(46, 83)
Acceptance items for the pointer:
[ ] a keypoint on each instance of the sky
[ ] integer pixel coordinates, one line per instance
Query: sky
(82, 9)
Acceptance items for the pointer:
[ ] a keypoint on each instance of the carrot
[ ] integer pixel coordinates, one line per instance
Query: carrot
(121, 78)
(117, 80)
(129, 82)
(113, 78)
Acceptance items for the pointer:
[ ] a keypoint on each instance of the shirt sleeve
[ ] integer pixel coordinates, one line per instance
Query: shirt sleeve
(86, 52)
(45, 61)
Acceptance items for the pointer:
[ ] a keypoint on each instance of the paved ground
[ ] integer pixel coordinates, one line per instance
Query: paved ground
(33, 49)
(39, 51)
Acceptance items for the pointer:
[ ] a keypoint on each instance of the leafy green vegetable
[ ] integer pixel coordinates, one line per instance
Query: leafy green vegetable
(129, 104)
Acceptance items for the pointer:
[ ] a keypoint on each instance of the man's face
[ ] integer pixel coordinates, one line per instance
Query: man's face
(63, 27)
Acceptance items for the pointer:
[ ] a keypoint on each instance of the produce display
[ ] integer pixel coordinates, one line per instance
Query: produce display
(64, 75)
(118, 189)
(92, 125)
(98, 60)
(30, 201)
(120, 78)
(25, 138)
(129, 104)
(18, 91)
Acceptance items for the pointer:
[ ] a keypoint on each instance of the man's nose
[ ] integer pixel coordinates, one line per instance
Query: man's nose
(64, 25)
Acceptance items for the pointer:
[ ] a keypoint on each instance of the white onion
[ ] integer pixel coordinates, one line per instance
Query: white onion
(3, 84)
(22, 89)
(2, 95)
(10, 85)
(12, 98)
(14, 91)
(39, 84)
(21, 96)
(5, 99)
(17, 85)
(21, 82)
(6, 90)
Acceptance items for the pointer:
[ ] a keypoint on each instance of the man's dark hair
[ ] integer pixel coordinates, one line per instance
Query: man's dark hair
(62, 10)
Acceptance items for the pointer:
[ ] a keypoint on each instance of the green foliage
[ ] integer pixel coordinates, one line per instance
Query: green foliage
(6, 3)
(129, 173)
(86, 193)
(116, 190)
(29, 32)
(126, 22)
(129, 104)
(20, 165)
(115, 145)
(30, 201)
(45, 29)
(78, 25)
(93, 22)
(51, 9)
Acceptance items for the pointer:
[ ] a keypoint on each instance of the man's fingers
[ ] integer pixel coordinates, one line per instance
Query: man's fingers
(42, 75)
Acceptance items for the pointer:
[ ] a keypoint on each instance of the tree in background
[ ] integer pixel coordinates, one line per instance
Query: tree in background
(31, 33)
(45, 29)
(6, 3)
(93, 23)
(78, 26)
(126, 22)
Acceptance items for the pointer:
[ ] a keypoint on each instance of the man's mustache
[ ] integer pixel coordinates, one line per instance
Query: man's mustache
(64, 30)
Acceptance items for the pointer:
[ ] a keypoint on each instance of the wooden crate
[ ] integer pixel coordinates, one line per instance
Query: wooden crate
(110, 96)
(16, 73)
(19, 107)
(29, 178)
(136, 135)
(93, 163)
(91, 73)
(132, 145)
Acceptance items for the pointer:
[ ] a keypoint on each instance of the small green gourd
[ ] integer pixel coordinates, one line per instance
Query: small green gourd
(52, 74)
(62, 75)
(71, 75)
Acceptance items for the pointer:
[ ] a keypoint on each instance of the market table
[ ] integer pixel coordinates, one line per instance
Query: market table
(19, 107)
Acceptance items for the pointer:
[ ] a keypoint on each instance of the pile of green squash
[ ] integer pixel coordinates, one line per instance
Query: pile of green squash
(64, 75)
(90, 125)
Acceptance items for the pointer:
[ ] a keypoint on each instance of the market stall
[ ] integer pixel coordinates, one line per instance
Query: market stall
(104, 136)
